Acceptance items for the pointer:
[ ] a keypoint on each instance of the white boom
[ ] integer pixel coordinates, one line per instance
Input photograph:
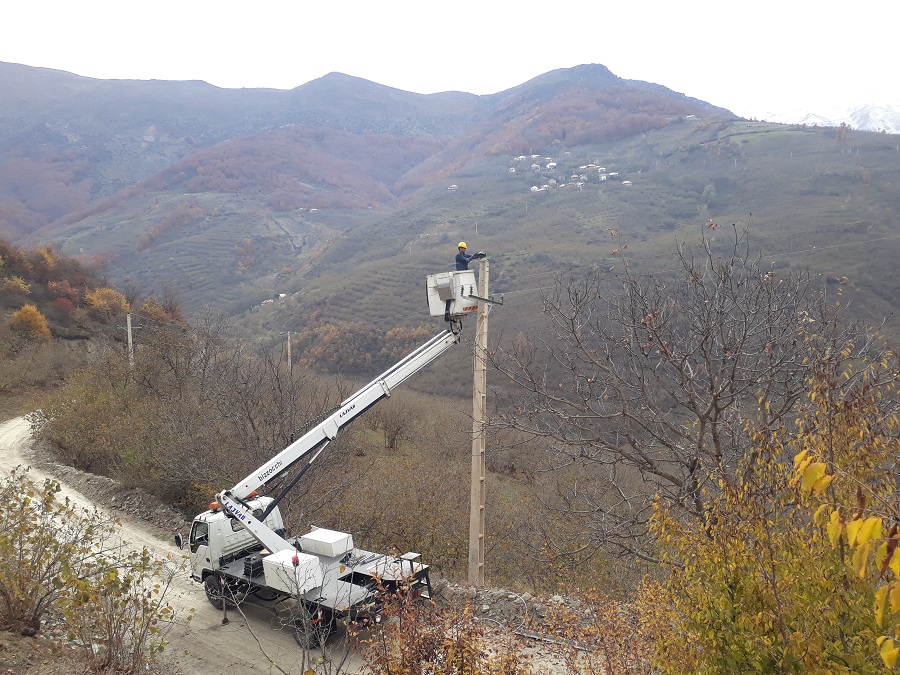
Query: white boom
(323, 433)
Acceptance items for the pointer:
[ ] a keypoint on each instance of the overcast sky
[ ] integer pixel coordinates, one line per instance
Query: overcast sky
(751, 57)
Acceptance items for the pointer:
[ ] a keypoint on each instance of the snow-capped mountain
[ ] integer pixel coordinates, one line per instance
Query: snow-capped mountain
(869, 117)
(876, 118)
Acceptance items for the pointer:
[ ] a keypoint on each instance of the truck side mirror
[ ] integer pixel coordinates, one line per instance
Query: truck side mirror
(179, 540)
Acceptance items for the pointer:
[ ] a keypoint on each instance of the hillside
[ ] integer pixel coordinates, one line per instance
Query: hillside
(333, 199)
(142, 174)
(811, 197)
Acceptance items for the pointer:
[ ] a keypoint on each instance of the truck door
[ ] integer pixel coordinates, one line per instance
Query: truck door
(199, 544)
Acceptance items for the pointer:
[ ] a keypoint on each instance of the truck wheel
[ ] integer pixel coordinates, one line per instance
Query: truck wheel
(306, 636)
(213, 588)
(310, 631)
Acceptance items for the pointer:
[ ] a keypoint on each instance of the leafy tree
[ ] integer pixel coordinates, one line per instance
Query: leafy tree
(30, 323)
(13, 286)
(119, 609)
(62, 289)
(93, 433)
(61, 310)
(42, 542)
(55, 555)
(105, 303)
(346, 347)
(769, 580)
(341, 348)
(846, 470)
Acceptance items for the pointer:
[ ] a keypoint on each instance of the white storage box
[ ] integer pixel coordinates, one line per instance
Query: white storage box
(327, 542)
(455, 287)
(283, 576)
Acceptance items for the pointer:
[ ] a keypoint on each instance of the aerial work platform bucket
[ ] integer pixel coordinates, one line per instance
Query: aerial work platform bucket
(451, 294)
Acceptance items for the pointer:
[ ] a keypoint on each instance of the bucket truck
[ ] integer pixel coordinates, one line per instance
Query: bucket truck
(240, 546)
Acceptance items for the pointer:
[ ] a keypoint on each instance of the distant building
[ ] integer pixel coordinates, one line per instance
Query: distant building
(627, 182)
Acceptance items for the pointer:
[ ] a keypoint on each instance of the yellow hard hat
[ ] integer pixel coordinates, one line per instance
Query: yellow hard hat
(461, 244)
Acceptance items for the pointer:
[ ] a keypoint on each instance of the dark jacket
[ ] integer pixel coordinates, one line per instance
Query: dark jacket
(462, 260)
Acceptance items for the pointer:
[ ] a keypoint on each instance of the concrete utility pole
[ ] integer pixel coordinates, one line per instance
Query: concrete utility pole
(479, 427)
(130, 344)
(290, 362)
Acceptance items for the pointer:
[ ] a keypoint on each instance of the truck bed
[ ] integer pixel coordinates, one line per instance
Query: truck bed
(349, 580)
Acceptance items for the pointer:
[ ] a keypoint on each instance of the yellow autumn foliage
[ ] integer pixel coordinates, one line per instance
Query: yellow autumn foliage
(30, 323)
(863, 503)
(792, 568)
(104, 303)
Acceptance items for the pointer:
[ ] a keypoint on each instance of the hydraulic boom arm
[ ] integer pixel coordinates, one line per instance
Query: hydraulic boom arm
(323, 433)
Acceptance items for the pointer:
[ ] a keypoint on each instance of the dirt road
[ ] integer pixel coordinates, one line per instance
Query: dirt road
(205, 646)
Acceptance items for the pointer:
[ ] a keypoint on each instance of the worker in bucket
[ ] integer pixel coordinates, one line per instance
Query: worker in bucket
(463, 258)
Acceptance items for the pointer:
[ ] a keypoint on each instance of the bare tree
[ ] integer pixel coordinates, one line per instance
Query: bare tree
(395, 418)
(170, 298)
(649, 381)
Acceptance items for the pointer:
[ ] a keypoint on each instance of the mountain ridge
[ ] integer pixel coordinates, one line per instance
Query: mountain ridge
(332, 201)
(79, 140)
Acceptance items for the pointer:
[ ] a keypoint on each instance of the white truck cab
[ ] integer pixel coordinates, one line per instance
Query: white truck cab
(217, 539)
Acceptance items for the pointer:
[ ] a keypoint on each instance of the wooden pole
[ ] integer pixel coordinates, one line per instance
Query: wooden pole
(479, 416)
